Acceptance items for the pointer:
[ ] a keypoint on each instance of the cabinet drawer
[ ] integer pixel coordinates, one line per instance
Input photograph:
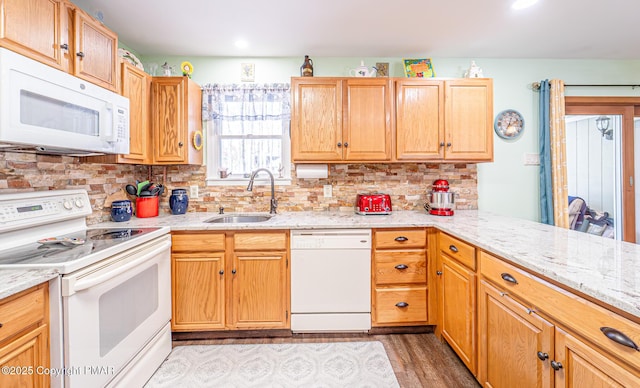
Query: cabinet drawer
(388, 301)
(197, 242)
(22, 310)
(400, 267)
(400, 238)
(458, 249)
(250, 241)
(579, 315)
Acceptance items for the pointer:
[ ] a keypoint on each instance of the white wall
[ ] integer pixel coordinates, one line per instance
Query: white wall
(505, 186)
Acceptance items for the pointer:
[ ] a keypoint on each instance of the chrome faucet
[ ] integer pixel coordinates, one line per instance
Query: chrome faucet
(274, 202)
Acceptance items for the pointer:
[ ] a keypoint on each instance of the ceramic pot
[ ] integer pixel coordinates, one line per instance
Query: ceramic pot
(178, 201)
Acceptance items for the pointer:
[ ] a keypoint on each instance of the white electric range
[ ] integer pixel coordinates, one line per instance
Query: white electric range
(111, 305)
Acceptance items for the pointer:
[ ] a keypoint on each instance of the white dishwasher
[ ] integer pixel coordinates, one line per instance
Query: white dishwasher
(330, 280)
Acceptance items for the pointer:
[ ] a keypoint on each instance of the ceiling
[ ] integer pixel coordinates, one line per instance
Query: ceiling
(374, 28)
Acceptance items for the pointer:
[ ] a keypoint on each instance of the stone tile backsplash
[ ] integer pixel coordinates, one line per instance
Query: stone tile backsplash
(407, 183)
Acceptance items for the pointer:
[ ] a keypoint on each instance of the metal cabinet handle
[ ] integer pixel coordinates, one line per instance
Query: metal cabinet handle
(441, 144)
(453, 248)
(543, 356)
(180, 144)
(401, 266)
(80, 54)
(619, 337)
(402, 304)
(448, 144)
(221, 272)
(401, 238)
(346, 144)
(508, 278)
(0, 324)
(233, 271)
(339, 144)
(438, 273)
(556, 365)
(64, 46)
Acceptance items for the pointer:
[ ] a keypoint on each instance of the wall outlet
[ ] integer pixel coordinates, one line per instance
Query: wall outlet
(531, 159)
(328, 191)
(194, 191)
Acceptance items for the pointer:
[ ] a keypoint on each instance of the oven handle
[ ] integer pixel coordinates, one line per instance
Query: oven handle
(72, 284)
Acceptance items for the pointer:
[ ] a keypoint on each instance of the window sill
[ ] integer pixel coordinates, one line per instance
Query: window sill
(237, 181)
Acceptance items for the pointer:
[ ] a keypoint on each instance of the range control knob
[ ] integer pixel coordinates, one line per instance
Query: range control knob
(78, 202)
(67, 205)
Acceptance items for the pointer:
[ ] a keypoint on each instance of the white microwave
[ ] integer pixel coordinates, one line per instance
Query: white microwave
(46, 110)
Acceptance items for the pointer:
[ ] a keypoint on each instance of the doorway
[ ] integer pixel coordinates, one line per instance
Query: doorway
(601, 163)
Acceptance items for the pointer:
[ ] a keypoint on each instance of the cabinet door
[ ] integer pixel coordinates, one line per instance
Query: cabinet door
(316, 119)
(32, 28)
(469, 119)
(458, 309)
(136, 86)
(366, 133)
(96, 51)
(168, 101)
(260, 290)
(583, 366)
(510, 338)
(28, 351)
(419, 120)
(198, 292)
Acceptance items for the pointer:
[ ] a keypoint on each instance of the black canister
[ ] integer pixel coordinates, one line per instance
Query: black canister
(178, 201)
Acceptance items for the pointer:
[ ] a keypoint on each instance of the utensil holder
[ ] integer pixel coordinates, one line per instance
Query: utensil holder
(147, 207)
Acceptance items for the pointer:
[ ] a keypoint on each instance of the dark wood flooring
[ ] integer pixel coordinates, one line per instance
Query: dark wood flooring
(418, 360)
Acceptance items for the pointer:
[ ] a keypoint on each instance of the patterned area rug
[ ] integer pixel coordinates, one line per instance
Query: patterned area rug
(338, 364)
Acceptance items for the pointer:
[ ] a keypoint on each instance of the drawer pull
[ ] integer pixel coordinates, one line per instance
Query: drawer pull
(221, 272)
(402, 304)
(401, 238)
(543, 356)
(453, 248)
(556, 365)
(508, 278)
(401, 266)
(619, 337)
(438, 273)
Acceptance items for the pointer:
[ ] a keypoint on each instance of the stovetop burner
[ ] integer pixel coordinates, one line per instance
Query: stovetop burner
(107, 234)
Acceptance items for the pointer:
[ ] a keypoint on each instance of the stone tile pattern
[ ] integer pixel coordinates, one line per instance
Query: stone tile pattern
(408, 184)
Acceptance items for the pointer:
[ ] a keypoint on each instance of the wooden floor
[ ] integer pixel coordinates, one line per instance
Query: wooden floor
(418, 360)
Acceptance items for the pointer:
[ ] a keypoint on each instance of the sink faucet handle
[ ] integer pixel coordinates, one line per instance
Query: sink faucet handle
(220, 210)
(274, 205)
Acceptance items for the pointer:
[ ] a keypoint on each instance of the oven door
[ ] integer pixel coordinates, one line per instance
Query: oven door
(112, 309)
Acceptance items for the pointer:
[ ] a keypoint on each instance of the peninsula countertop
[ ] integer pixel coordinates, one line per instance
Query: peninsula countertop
(603, 269)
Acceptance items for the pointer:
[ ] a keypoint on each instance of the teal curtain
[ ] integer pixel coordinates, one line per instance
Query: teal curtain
(546, 187)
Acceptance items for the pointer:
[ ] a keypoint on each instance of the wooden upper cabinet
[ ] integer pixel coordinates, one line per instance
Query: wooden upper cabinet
(32, 28)
(95, 51)
(54, 32)
(136, 86)
(341, 119)
(366, 134)
(176, 120)
(469, 119)
(419, 119)
(316, 119)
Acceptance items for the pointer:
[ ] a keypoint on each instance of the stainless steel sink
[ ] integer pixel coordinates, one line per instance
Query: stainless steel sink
(233, 219)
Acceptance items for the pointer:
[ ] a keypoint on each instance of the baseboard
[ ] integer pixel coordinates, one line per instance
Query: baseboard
(194, 335)
(401, 330)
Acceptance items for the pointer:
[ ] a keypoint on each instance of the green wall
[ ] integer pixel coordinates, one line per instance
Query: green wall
(505, 186)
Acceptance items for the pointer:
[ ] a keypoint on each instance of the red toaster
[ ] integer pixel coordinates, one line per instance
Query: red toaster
(373, 204)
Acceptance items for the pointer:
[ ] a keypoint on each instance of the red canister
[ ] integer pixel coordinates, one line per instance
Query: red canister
(146, 207)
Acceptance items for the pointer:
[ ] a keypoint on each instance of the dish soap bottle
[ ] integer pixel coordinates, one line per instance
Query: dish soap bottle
(306, 70)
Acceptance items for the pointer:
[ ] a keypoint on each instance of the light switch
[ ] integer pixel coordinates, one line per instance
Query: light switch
(531, 159)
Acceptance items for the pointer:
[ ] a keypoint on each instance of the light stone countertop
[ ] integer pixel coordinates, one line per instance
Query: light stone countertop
(604, 269)
(14, 281)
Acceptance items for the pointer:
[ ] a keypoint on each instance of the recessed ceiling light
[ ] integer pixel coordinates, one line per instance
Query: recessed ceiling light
(241, 43)
(520, 4)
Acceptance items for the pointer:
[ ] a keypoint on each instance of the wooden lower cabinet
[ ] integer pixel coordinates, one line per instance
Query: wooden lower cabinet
(399, 280)
(458, 309)
(24, 338)
(230, 281)
(511, 336)
(580, 365)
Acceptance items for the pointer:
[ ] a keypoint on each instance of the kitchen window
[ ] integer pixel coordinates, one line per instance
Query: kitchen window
(247, 127)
